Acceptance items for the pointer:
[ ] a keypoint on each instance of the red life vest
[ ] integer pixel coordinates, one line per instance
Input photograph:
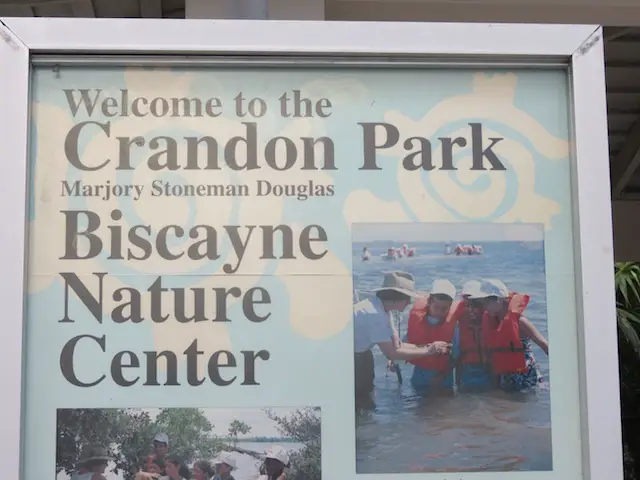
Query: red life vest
(153, 460)
(502, 340)
(419, 332)
(472, 341)
(495, 344)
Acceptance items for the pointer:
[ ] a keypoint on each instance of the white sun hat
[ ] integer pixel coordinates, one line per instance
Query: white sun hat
(161, 438)
(492, 287)
(443, 287)
(278, 453)
(226, 458)
(471, 289)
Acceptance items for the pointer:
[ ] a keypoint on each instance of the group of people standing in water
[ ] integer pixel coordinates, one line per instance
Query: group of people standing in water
(478, 340)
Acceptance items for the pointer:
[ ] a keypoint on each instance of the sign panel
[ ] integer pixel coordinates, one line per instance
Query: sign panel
(315, 273)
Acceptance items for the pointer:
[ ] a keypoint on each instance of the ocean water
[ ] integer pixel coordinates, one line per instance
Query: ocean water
(494, 431)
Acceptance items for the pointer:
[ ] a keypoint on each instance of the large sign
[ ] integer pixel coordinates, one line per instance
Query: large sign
(302, 273)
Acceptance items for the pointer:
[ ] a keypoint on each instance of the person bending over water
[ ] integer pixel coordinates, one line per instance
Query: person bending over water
(373, 325)
(433, 318)
(511, 335)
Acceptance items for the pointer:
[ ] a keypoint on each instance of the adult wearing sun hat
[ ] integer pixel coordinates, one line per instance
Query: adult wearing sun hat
(92, 463)
(512, 356)
(276, 460)
(373, 325)
(224, 464)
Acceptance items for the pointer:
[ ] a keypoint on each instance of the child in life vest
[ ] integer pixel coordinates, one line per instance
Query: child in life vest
(473, 371)
(433, 319)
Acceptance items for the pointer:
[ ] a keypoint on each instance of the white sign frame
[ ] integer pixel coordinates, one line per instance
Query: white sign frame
(578, 46)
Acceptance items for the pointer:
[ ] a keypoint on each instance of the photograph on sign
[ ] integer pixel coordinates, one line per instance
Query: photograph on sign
(198, 443)
(222, 237)
(458, 315)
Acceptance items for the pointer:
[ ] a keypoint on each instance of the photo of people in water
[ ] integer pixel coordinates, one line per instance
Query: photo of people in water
(450, 348)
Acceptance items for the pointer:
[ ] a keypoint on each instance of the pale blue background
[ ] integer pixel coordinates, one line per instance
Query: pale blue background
(303, 371)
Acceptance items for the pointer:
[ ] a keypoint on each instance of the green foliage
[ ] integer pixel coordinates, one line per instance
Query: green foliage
(304, 426)
(238, 427)
(135, 433)
(267, 440)
(627, 280)
(129, 434)
(77, 427)
(190, 433)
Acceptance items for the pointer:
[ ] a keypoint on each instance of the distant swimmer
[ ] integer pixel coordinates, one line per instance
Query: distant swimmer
(475, 250)
(464, 249)
(391, 254)
(366, 255)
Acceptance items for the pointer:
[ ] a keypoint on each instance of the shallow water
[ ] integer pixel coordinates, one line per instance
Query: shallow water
(494, 431)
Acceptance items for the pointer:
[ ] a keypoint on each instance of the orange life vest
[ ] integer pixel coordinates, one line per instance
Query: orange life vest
(419, 332)
(153, 460)
(502, 340)
(472, 341)
(495, 344)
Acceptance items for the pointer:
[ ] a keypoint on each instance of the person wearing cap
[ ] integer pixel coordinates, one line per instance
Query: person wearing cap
(156, 461)
(433, 318)
(373, 325)
(495, 347)
(512, 357)
(224, 465)
(471, 360)
(92, 463)
(276, 460)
